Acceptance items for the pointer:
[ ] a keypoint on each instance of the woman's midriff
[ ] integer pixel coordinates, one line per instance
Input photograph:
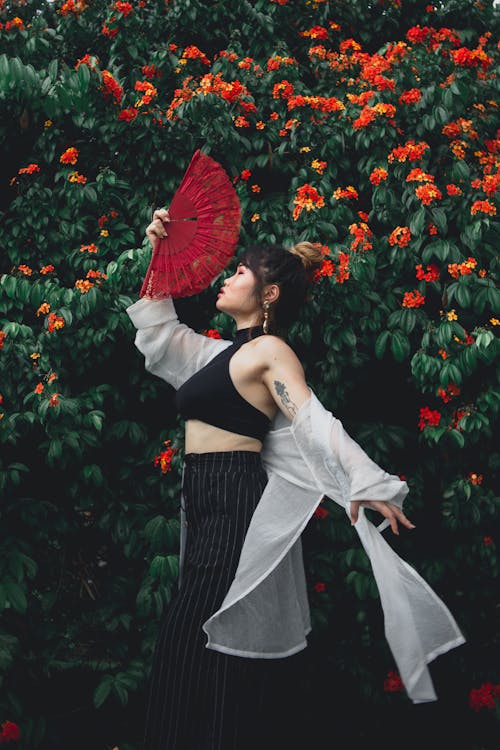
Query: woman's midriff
(205, 438)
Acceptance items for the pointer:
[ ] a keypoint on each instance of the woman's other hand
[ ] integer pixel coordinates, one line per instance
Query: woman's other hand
(156, 230)
(388, 510)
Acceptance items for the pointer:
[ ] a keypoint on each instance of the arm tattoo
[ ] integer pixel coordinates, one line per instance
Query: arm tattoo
(285, 398)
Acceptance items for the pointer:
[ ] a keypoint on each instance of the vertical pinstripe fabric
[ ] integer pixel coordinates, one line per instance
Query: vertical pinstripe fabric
(200, 699)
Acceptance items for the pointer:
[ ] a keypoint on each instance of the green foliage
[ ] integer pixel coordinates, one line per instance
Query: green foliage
(398, 335)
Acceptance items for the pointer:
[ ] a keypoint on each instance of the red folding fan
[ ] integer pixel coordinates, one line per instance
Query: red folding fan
(203, 231)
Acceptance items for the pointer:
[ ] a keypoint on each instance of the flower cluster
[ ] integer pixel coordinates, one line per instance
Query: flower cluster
(428, 193)
(110, 87)
(10, 732)
(447, 393)
(77, 177)
(413, 299)
(484, 697)
(393, 683)
(484, 207)
(308, 198)
(431, 272)
(378, 175)
(474, 478)
(70, 156)
(361, 232)
(412, 96)
(30, 169)
(349, 192)
(89, 248)
(212, 333)
(400, 236)
(428, 417)
(229, 91)
(54, 322)
(369, 114)
(411, 151)
(164, 458)
(72, 6)
(462, 269)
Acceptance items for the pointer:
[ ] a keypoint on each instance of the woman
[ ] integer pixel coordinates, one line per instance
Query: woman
(242, 580)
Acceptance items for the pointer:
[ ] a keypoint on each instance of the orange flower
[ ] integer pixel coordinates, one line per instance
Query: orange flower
(282, 90)
(241, 122)
(30, 169)
(400, 236)
(411, 151)
(327, 269)
(164, 459)
(427, 193)
(361, 233)
(89, 248)
(452, 189)
(15, 23)
(378, 175)
(474, 478)
(54, 322)
(43, 309)
(70, 156)
(430, 274)
(39, 388)
(52, 377)
(76, 177)
(412, 96)
(413, 299)
(307, 197)
(127, 115)
(54, 400)
(83, 285)
(25, 269)
(46, 269)
(318, 166)
(192, 52)
(256, 188)
(418, 175)
(348, 192)
(462, 269)
(110, 87)
(484, 207)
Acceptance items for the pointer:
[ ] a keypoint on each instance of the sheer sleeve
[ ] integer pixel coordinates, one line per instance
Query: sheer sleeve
(172, 350)
(367, 480)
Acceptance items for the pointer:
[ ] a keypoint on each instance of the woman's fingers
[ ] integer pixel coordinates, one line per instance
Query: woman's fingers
(162, 214)
(388, 510)
(156, 229)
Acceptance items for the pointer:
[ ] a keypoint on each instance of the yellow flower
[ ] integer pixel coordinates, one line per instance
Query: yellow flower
(35, 355)
(451, 315)
(104, 233)
(495, 322)
(255, 217)
(47, 124)
(305, 149)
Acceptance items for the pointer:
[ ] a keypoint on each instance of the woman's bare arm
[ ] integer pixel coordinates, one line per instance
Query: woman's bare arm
(284, 377)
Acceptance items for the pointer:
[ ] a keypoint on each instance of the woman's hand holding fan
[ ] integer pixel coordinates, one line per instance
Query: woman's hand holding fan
(204, 220)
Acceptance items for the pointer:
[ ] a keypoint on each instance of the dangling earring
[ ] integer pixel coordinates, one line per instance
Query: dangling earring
(265, 326)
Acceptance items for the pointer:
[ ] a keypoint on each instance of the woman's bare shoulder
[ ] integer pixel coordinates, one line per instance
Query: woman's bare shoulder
(270, 348)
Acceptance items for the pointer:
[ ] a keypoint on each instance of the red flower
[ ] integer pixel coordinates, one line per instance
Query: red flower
(127, 115)
(70, 156)
(487, 540)
(164, 459)
(319, 587)
(412, 96)
(428, 417)
(212, 333)
(484, 697)
(10, 731)
(393, 683)
(430, 274)
(245, 174)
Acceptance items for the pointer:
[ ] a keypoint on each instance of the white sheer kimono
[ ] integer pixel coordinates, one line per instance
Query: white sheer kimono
(265, 613)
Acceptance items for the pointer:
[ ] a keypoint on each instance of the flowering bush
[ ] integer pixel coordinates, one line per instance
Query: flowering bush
(371, 129)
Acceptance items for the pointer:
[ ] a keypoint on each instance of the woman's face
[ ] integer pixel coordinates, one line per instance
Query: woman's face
(237, 295)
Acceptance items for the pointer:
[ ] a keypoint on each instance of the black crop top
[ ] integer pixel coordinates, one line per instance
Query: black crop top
(210, 396)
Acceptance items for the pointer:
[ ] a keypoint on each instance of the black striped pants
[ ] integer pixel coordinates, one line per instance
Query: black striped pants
(200, 699)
